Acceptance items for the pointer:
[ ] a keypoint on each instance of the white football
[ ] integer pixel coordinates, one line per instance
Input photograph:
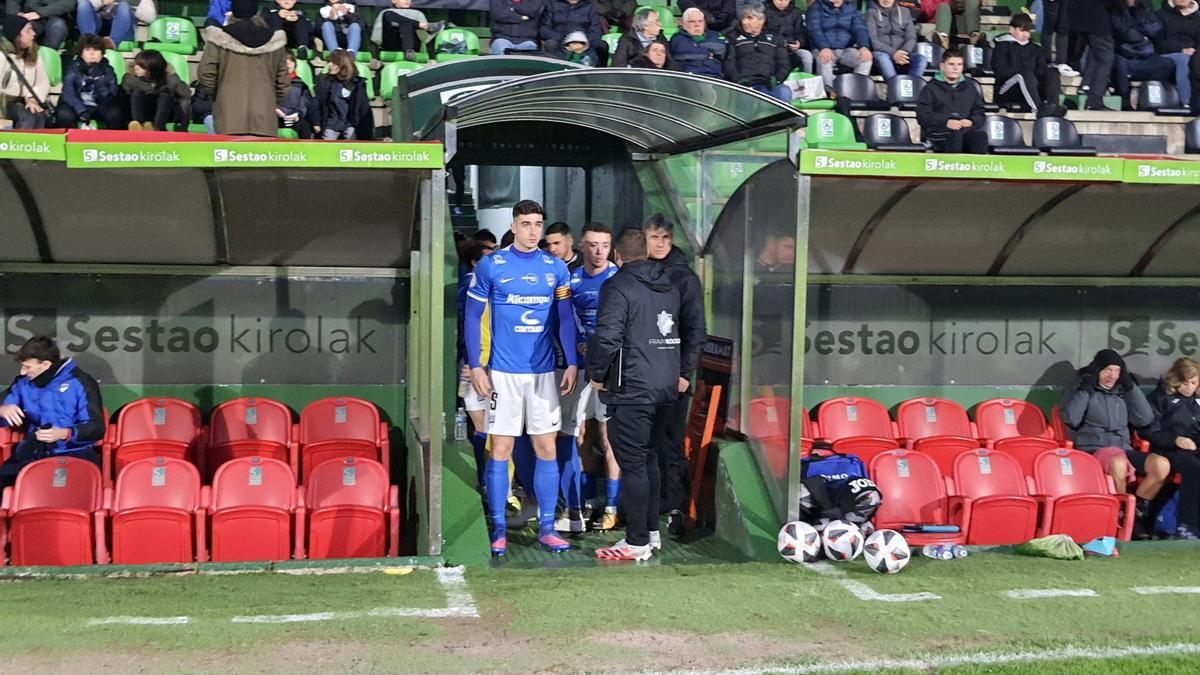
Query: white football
(886, 552)
(799, 542)
(843, 541)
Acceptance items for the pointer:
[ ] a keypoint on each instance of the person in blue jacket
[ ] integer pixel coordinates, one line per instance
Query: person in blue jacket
(838, 35)
(698, 50)
(89, 89)
(56, 404)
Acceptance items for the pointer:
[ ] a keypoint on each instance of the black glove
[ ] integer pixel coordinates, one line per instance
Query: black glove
(1127, 381)
(1087, 379)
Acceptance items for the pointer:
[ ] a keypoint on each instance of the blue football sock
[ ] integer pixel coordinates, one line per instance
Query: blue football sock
(545, 481)
(587, 486)
(497, 495)
(569, 468)
(523, 460)
(479, 445)
(612, 492)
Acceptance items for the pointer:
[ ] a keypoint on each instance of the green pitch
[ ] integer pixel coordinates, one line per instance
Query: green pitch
(656, 616)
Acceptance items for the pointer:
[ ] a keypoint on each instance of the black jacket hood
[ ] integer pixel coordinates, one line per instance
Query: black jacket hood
(650, 273)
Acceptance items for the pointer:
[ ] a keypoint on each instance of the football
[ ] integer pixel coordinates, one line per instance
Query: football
(843, 541)
(799, 542)
(886, 552)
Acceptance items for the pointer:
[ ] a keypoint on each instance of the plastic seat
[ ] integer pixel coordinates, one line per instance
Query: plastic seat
(855, 425)
(158, 513)
(252, 427)
(1002, 512)
(915, 494)
(1160, 98)
(860, 90)
(1025, 451)
(155, 427)
(420, 57)
(351, 511)
(933, 55)
(903, 90)
(935, 425)
(455, 42)
(1006, 138)
(884, 131)
(1191, 137)
(338, 427)
(7, 442)
(55, 514)
(179, 64)
(116, 59)
(253, 510)
(54, 65)
(987, 107)
(172, 34)
(1079, 497)
(304, 71)
(1000, 419)
(828, 130)
(977, 60)
(391, 74)
(611, 39)
(1057, 136)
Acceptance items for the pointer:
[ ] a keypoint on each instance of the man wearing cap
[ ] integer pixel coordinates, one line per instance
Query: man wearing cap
(243, 65)
(47, 16)
(572, 19)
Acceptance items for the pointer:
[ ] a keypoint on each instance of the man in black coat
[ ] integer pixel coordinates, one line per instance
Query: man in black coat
(634, 361)
(757, 59)
(1091, 27)
(950, 110)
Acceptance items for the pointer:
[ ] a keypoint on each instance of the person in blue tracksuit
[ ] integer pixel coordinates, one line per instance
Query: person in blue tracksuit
(56, 404)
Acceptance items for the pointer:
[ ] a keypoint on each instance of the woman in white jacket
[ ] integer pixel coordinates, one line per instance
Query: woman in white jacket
(24, 84)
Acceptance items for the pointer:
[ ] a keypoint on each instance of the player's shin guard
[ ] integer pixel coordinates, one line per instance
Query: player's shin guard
(523, 460)
(569, 468)
(497, 495)
(479, 445)
(545, 481)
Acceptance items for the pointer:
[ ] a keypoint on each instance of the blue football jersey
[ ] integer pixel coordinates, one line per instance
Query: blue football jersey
(521, 289)
(585, 298)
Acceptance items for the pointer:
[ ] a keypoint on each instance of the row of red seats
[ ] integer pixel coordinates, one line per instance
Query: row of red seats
(169, 427)
(995, 500)
(59, 513)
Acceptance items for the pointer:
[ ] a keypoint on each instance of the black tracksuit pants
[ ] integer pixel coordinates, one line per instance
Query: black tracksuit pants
(1188, 466)
(631, 430)
(672, 462)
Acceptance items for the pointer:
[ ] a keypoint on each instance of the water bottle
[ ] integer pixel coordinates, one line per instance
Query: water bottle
(937, 552)
(959, 551)
(460, 425)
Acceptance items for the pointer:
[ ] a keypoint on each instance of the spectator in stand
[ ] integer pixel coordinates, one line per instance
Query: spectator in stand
(56, 404)
(344, 112)
(617, 13)
(157, 96)
(244, 70)
(951, 17)
(1178, 41)
(576, 49)
(570, 16)
(1051, 22)
(950, 111)
(24, 84)
(1134, 29)
(48, 18)
(298, 110)
(656, 57)
(1099, 409)
(1091, 28)
(89, 89)
(341, 27)
(719, 15)
(696, 49)
(894, 40)
(786, 22)
(518, 25)
(396, 29)
(756, 59)
(113, 19)
(218, 13)
(838, 36)
(1023, 77)
(1173, 438)
(299, 30)
(647, 29)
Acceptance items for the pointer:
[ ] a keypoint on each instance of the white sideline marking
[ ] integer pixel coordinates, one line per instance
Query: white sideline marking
(863, 591)
(1165, 590)
(139, 620)
(1037, 593)
(978, 658)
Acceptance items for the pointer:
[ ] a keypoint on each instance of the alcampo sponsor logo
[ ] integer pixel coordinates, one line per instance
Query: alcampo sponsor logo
(228, 155)
(1152, 171)
(1042, 166)
(933, 164)
(872, 164)
(515, 299)
(98, 156)
(33, 147)
(351, 156)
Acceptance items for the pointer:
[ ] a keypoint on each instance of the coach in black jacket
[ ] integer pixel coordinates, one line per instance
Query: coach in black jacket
(633, 359)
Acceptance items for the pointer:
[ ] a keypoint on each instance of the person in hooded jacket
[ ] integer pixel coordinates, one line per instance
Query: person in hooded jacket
(1173, 438)
(950, 110)
(786, 21)
(1178, 41)
(1134, 29)
(647, 29)
(838, 36)
(1023, 75)
(245, 69)
(894, 40)
(634, 360)
(56, 404)
(89, 89)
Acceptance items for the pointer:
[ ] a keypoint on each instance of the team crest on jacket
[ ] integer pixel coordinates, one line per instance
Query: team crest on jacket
(665, 323)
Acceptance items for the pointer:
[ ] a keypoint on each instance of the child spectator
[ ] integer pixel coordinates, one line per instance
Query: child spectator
(756, 59)
(786, 22)
(1173, 441)
(1023, 76)
(1134, 29)
(894, 40)
(89, 89)
(1178, 41)
(577, 49)
(647, 29)
(343, 109)
(341, 27)
(571, 16)
(48, 18)
(656, 56)
(518, 25)
(114, 19)
(719, 15)
(395, 29)
(838, 36)
(299, 30)
(157, 97)
(298, 109)
(696, 49)
(950, 111)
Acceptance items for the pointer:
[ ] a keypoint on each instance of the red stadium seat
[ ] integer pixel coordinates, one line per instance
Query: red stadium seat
(155, 427)
(1002, 512)
(1079, 497)
(55, 514)
(252, 427)
(1058, 426)
(1025, 451)
(914, 493)
(6, 443)
(1001, 419)
(253, 510)
(945, 456)
(351, 510)
(158, 513)
(857, 425)
(927, 423)
(341, 427)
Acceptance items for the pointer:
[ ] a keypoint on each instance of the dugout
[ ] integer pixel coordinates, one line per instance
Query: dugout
(209, 268)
